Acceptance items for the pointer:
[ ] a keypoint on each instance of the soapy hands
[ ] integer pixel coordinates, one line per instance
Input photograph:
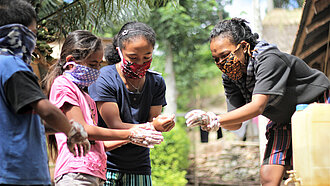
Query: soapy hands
(77, 141)
(207, 120)
(145, 137)
(149, 134)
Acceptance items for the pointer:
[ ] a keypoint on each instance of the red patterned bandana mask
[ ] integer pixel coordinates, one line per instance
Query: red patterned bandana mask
(133, 70)
(231, 65)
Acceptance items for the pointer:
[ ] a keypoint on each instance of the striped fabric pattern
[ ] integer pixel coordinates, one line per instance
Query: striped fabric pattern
(279, 148)
(124, 179)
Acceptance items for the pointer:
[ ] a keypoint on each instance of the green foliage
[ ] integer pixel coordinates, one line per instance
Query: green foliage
(169, 160)
(184, 25)
(158, 63)
(201, 72)
(44, 36)
(93, 15)
(61, 17)
(172, 24)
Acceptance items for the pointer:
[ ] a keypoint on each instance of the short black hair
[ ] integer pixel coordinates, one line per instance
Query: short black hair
(16, 12)
(111, 55)
(236, 30)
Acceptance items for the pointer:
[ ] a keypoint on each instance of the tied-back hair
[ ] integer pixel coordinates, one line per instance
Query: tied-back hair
(128, 33)
(80, 44)
(236, 30)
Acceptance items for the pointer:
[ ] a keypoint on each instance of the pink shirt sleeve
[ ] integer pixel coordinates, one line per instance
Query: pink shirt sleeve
(63, 91)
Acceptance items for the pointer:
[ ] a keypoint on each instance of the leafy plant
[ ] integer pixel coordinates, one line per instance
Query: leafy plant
(43, 51)
(169, 160)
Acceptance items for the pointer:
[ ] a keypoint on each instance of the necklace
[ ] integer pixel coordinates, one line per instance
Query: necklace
(136, 88)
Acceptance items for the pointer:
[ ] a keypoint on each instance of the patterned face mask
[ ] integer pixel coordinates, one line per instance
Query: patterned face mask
(81, 75)
(231, 65)
(133, 70)
(18, 40)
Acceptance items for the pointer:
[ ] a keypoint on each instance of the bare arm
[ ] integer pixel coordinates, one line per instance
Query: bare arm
(135, 135)
(94, 132)
(154, 112)
(233, 120)
(167, 122)
(49, 130)
(110, 114)
(110, 145)
(52, 115)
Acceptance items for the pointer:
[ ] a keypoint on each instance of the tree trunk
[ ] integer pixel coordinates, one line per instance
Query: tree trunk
(170, 81)
(257, 23)
(270, 5)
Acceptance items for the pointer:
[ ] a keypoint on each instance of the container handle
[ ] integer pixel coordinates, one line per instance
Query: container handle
(292, 178)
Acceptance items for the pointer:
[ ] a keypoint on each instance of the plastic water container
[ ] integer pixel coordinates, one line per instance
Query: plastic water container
(311, 144)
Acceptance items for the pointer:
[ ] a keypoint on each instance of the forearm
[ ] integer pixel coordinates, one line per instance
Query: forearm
(49, 130)
(94, 132)
(109, 111)
(233, 119)
(120, 125)
(58, 122)
(111, 145)
(104, 134)
(161, 123)
(238, 116)
(53, 116)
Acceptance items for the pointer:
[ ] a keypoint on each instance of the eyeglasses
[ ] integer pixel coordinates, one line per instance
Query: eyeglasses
(224, 58)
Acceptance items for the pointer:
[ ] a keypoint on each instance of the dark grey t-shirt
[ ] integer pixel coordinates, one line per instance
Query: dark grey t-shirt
(287, 79)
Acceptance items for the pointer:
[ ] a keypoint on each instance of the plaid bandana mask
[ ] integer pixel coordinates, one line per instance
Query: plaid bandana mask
(133, 70)
(18, 40)
(81, 75)
(231, 65)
